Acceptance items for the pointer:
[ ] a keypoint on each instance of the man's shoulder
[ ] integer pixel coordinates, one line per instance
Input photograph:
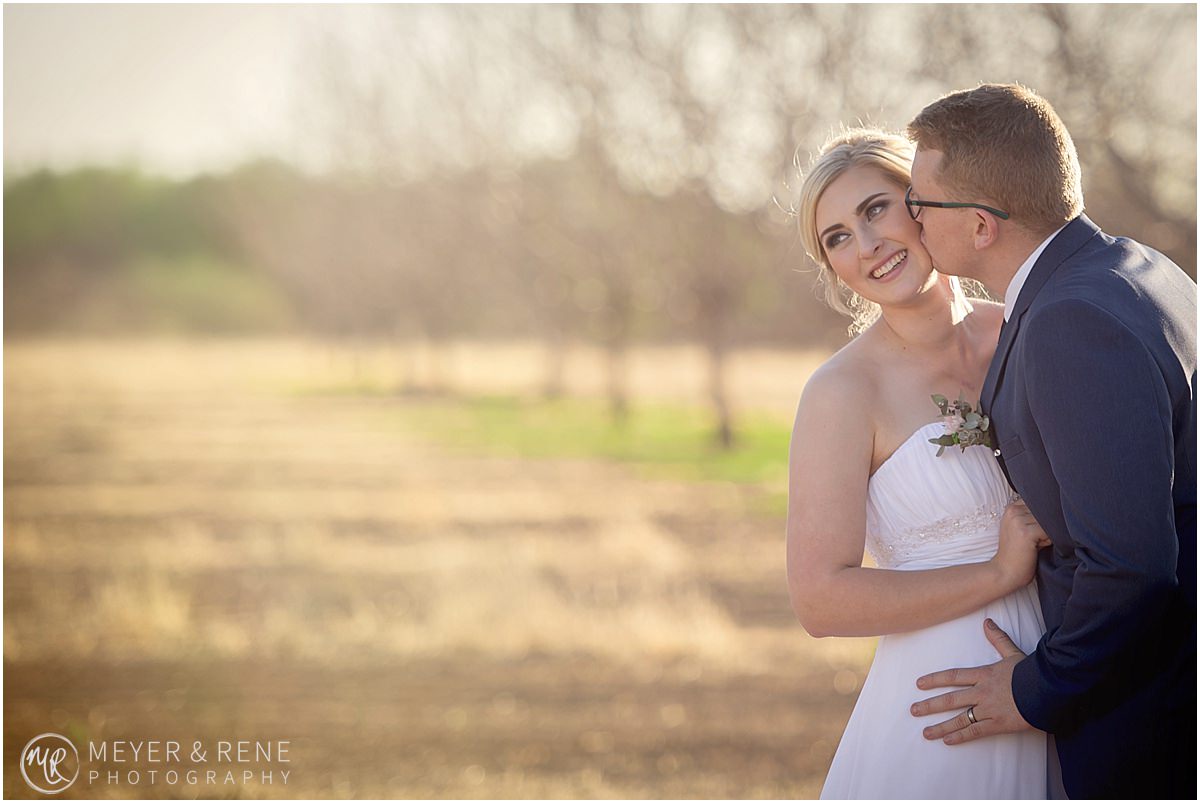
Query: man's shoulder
(1130, 259)
(1121, 276)
(1084, 305)
(1123, 256)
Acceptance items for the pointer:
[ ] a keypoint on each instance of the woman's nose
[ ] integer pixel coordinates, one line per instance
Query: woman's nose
(868, 242)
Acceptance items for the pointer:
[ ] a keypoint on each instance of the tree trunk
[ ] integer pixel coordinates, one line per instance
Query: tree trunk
(441, 368)
(717, 395)
(618, 397)
(556, 365)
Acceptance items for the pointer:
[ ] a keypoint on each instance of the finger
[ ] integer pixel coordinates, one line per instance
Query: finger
(944, 702)
(934, 732)
(1000, 640)
(970, 733)
(949, 677)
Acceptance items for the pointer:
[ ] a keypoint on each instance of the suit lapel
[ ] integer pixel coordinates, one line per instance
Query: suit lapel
(1008, 333)
(1064, 244)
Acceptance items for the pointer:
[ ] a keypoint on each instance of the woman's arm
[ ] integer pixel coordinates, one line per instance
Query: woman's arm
(831, 592)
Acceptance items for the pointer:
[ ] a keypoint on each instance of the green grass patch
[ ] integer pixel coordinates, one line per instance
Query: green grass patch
(200, 294)
(661, 440)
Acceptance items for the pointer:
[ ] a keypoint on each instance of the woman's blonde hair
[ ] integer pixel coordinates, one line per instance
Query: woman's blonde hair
(889, 152)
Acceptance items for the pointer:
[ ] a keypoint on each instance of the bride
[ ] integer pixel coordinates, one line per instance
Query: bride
(953, 545)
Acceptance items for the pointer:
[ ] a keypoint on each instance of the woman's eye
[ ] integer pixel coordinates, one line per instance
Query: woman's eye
(835, 239)
(875, 210)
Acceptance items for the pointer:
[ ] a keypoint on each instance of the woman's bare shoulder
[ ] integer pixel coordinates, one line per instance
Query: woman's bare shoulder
(842, 387)
(831, 450)
(991, 313)
(991, 310)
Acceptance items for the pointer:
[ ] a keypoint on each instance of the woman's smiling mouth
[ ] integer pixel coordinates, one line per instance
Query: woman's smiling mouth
(888, 267)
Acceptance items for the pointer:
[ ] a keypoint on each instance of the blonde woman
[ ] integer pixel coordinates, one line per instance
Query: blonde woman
(952, 546)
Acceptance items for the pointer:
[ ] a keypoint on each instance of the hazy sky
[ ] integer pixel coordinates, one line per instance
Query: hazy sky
(172, 88)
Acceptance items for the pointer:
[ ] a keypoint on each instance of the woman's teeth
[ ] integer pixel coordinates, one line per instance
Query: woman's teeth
(886, 268)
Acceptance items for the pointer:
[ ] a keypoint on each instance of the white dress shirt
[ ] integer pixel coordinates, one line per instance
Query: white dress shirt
(1018, 281)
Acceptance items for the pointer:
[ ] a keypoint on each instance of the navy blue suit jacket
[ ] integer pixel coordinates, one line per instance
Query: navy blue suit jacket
(1092, 393)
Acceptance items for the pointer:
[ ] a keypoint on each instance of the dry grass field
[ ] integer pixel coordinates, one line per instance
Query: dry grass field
(200, 543)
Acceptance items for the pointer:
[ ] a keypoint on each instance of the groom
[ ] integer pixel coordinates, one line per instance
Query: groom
(1092, 395)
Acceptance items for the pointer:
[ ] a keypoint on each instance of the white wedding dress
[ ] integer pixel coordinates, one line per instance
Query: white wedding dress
(925, 512)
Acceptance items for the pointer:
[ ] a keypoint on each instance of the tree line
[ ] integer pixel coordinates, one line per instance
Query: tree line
(605, 174)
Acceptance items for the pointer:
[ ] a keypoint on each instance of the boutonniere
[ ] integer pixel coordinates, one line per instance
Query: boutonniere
(964, 426)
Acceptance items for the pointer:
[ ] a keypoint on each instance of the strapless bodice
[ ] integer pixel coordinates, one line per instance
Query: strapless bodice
(925, 511)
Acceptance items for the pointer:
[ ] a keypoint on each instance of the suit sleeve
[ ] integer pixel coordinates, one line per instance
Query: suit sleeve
(1102, 408)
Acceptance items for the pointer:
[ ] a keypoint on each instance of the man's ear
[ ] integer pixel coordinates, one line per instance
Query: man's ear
(987, 230)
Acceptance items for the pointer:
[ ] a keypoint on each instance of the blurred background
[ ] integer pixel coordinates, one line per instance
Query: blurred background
(415, 382)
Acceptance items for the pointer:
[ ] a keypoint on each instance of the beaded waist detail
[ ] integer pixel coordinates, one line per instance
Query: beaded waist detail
(977, 531)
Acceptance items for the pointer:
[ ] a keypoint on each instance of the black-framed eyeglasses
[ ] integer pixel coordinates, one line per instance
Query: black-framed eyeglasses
(914, 207)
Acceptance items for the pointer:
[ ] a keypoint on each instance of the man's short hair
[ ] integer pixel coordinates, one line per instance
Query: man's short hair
(1004, 145)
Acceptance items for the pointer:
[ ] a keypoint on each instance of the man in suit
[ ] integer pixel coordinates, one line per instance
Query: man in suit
(1092, 397)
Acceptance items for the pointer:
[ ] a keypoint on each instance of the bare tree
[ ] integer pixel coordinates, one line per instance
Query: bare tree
(576, 150)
